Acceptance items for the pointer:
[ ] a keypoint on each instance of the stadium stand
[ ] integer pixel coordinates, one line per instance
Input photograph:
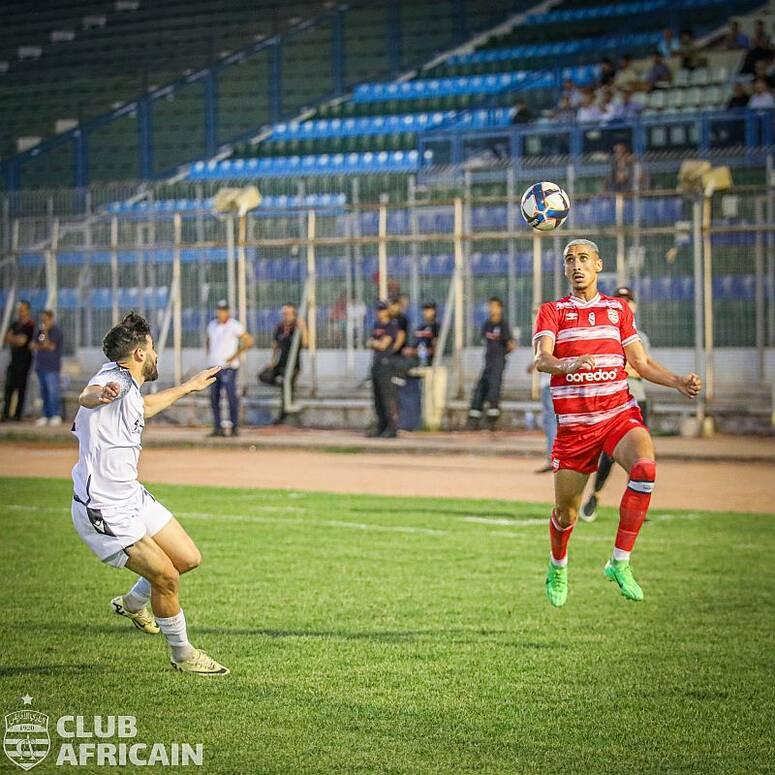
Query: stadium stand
(191, 76)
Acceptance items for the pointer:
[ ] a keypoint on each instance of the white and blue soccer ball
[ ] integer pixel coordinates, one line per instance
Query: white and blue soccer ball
(545, 206)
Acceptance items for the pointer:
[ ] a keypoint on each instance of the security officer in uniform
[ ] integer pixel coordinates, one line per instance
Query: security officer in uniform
(634, 382)
(498, 343)
(382, 341)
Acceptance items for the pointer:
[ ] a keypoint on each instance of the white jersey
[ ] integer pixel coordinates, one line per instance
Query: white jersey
(109, 443)
(224, 341)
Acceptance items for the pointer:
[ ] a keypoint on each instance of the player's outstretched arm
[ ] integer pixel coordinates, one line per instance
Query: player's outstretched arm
(546, 362)
(93, 396)
(689, 386)
(158, 402)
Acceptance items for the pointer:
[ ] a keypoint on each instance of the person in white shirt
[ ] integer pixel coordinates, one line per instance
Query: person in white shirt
(226, 341)
(117, 518)
(588, 111)
(762, 98)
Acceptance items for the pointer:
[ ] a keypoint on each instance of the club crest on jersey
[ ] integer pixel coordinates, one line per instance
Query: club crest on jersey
(591, 318)
(571, 316)
(613, 316)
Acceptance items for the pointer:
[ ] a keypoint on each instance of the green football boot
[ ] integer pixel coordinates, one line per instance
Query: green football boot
(556, 585)
(621, 572)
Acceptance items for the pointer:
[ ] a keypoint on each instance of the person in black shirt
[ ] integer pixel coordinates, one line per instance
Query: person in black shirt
(423, 346)
(398, 313)
(282, 340)
(18, 337)
(382, 341)
(498, 343)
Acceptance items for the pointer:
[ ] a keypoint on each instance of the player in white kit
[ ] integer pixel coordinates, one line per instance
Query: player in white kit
(120, 521)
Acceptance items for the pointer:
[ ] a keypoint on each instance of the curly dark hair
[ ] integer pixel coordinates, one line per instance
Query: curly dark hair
(129, 334)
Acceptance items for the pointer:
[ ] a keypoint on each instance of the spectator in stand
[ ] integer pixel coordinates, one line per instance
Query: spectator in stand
(521, 114)
(48, 365)
(627, 109)
(760, 39)
(761, 98)
(739, 98)
(609, 110)
(668, 46)
(627, 76)
(564, 113)
(659, 74)
(571, 93)
(735, 39)
(690, 55)
(607, 72)
(588, 111)
(761, 50)
(761, 69)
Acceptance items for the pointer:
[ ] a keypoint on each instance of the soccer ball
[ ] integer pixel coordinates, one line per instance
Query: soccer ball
(545, 206)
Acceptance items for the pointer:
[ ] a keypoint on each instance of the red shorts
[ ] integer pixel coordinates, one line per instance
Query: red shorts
(580, 450)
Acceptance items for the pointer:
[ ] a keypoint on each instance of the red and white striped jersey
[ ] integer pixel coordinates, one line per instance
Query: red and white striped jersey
(601, 327)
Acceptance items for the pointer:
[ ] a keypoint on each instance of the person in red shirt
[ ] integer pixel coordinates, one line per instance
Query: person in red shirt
(584, 341)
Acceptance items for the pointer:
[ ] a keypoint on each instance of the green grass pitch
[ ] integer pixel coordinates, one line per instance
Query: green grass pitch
(408, 635)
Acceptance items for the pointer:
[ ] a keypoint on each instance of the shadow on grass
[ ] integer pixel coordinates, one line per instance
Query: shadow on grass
(389, 636)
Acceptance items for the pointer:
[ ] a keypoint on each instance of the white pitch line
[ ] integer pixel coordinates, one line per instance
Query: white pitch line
(337, 523)
(506, 522)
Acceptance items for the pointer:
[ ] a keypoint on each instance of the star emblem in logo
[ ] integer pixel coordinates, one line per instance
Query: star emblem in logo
(27, 700)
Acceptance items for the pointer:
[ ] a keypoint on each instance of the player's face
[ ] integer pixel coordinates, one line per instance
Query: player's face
(151, 363)
(582, 266)
(222, 315)
(383, 315)
(289, 314)
(429, 314)
(495, 310)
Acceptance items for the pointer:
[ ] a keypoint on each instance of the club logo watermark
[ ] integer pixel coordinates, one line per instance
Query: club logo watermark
(26, 741)
(95, 741)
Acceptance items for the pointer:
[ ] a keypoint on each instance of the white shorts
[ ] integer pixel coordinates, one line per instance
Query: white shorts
(110, 531)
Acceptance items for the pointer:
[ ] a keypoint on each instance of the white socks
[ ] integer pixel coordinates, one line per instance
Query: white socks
(620, 554)
(138, 596)
(563, 563)
(174, 630)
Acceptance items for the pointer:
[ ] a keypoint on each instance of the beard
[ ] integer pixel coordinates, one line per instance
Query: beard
(150, 371)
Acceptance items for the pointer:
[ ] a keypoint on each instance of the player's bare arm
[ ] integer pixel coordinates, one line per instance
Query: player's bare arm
(649, 369)
(158, 402)
(93, 396)
(546, 362)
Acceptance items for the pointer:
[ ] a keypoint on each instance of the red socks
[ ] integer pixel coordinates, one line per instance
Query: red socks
(559, 538)
(634, 505)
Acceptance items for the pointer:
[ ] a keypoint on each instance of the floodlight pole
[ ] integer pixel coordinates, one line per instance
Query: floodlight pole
(707, 254)
(699, 305)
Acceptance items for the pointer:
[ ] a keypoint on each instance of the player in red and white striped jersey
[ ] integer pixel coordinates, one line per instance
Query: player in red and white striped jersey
(583, 341)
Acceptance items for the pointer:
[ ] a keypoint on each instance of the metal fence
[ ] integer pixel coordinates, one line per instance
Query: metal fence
(704, 275)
